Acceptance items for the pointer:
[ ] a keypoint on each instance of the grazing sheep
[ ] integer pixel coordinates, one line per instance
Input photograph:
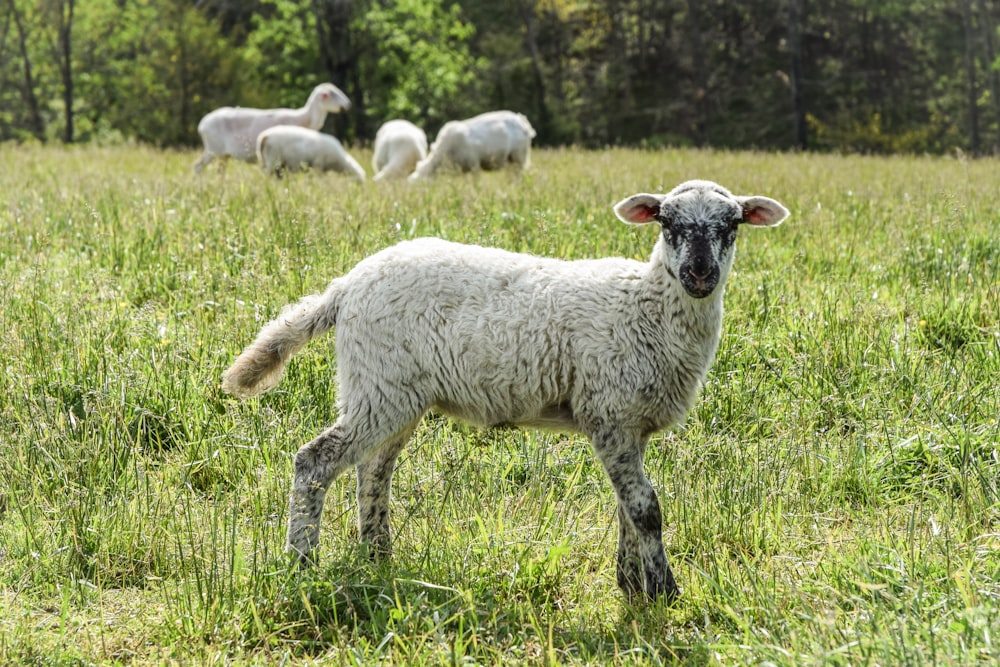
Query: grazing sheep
(488, 141)
(232, 131)
(291, 147)
(399, 145)
(612, 348)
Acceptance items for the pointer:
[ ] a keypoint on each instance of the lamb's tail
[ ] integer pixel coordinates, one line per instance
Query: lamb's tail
(260, 365)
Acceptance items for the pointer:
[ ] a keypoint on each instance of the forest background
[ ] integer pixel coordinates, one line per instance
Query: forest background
(867, 76)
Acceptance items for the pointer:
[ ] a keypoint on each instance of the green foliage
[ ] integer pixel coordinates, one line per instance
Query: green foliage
(870, 77)
(282, 52)
(420, 68)
(869, 135)
(132, 82)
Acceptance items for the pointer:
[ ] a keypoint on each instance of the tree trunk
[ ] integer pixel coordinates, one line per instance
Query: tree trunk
(35, 123)
(988, 27)
(183, 80)
(324, 14)
(796, 17)
(970, 68)
(4, 32)
(66, 65)
(333, 34)
(527, 11)
(699, 103)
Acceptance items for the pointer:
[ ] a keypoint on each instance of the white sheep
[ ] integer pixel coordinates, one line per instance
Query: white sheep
(290, 147)
(399, 146)
(612, 348)
(232, 131)
(488, 141)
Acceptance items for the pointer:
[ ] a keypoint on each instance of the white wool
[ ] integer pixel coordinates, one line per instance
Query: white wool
(233, 131)
(488, 141)
(399, 146)
(289, 147)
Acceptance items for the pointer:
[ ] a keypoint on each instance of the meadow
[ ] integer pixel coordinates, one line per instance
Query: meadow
(832, 499)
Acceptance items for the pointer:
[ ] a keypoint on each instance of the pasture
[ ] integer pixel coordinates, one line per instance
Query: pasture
(832, 499)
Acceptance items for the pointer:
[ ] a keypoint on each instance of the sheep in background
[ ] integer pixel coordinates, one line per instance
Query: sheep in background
(289, 147)
(488, 141)
(399, 146)
(232, 131)
(612, 348)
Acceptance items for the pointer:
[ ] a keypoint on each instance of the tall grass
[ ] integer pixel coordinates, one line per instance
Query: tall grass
(833, 499)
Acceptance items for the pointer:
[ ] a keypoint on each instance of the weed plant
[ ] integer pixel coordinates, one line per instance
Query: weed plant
(833, 498)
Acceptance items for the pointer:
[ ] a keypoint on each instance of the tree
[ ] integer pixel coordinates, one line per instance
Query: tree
(858, 75)
(988, 28)
(153, 85)
(970, 72)
(35, 123)
(63, 49)
(282, 54)
(795, 18)
(418, 64)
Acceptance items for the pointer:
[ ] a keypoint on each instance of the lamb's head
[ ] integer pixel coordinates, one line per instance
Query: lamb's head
(330, 98)
(699, 221)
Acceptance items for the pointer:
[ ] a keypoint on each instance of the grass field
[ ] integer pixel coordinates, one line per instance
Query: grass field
(833, 498)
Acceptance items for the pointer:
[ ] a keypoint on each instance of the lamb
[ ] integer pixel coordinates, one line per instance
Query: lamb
(399, 145)
(232, 131)
(488, 141)
(292, 147)
(612, 348)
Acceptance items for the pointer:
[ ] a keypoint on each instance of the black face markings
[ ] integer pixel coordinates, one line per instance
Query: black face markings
(699, 225)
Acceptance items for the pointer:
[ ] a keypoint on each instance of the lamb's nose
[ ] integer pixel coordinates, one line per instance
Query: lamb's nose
(699, 272)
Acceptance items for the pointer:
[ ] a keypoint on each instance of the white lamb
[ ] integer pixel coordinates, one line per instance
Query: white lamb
(488, 141)
(399, 145)
(232, 131)
(289, 147)
(612, 348)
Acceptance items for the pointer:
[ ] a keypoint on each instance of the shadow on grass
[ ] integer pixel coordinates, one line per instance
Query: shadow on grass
(378, 612)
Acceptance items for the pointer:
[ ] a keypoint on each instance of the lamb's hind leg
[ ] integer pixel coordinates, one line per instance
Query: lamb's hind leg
(205, 158)
(519, 158)
(374, 489)
(317, 464)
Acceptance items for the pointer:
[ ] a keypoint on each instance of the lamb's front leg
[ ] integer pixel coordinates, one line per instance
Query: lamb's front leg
(641, 557)
(629, 564)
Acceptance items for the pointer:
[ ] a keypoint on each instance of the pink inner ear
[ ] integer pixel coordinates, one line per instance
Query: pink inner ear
(641, 213)
(755, 216)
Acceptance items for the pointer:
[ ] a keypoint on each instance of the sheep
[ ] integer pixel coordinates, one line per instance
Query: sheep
(399, 145)
(232, 131)
(488, 141)
(292, 147)
(612, 348)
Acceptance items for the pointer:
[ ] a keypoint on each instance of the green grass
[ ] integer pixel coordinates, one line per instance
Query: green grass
(833, 498)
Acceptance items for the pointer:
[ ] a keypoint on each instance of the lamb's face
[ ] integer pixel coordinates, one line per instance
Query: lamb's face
(331, 98)
(699, 230)
(699, 220)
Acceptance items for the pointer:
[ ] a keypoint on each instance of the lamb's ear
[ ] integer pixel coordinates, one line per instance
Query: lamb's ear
(762, 211)
(639, 209)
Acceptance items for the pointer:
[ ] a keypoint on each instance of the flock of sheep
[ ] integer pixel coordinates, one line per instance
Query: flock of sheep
(612, 348)
(289, 139)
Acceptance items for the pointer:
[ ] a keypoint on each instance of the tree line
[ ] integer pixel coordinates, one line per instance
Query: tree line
(873, 76)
